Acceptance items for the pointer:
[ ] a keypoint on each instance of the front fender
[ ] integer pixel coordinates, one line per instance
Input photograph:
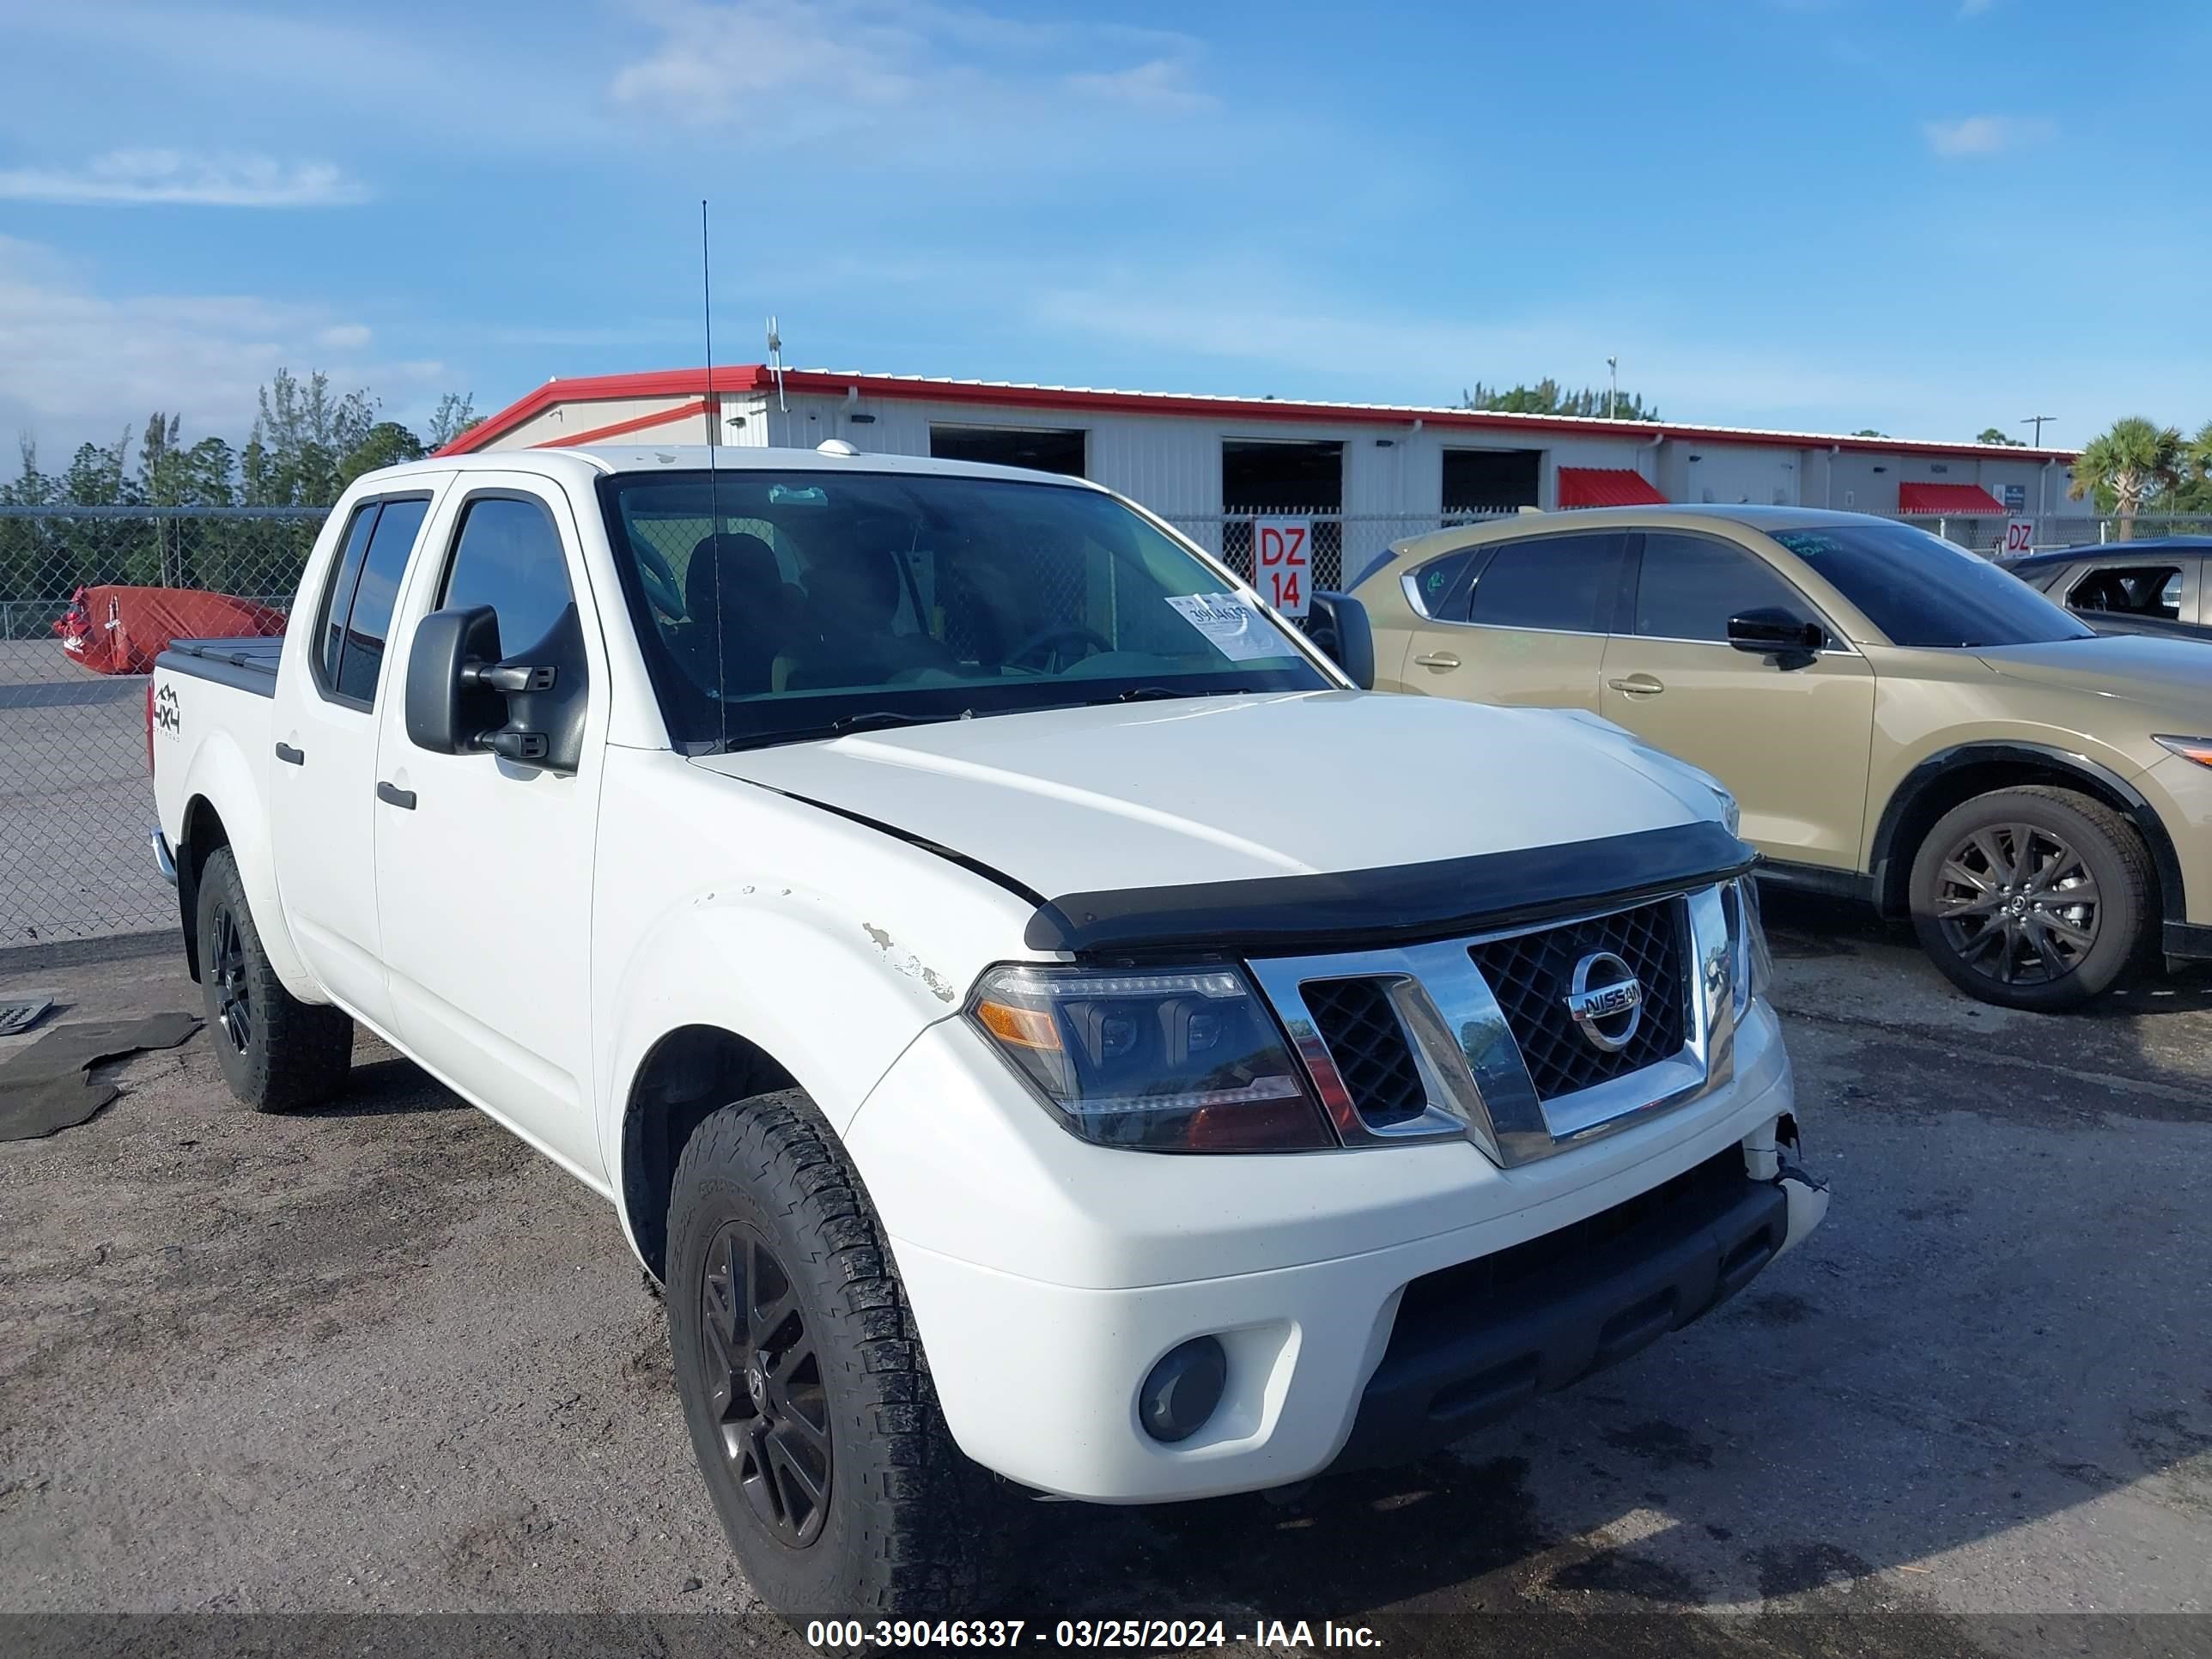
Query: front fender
(219, 774)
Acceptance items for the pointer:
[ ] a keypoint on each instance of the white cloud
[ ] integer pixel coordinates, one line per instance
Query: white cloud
(137, 177)
(913, 70)
(1986, 134)
(80, 362)
(1974, 7)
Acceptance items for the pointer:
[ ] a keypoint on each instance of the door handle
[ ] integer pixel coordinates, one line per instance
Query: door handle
(1638, 685)
(392, 795)
(291, 756)
(1439, 659)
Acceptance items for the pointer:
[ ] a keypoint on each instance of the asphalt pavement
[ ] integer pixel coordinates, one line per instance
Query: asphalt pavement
(382, 1358)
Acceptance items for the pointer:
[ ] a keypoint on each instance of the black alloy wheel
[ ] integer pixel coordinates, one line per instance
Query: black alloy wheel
(234, 995)
(2018, 903)
(764, 1386)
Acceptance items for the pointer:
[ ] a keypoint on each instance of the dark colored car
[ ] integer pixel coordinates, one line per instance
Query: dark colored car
(2160, 586)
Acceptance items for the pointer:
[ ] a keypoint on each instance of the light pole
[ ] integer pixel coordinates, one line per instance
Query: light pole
(1612, 385)
(2043, 473)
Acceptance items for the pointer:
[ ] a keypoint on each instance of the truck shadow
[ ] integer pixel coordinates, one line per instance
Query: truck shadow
(383, 1085)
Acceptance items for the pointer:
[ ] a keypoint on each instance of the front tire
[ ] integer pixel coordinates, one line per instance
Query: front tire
(278, 1053)
(804, 1383)
(2034, 898)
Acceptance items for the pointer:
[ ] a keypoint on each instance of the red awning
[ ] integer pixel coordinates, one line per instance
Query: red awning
(1606, 486)
(1958, 501)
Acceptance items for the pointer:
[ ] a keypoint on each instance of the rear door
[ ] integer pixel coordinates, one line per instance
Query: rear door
(1526, 624)
(325, 767)
(483, 865)
(1791, 745)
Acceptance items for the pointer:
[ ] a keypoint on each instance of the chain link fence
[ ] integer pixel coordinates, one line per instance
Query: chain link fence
(75, 804)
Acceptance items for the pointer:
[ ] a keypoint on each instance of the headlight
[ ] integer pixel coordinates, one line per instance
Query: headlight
(1751, 962)
(2193, 749)
(1161, 1061)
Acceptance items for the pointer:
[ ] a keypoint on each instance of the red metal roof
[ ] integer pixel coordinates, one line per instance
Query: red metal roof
(1606, 486)
(1960, 501)
(757, 377)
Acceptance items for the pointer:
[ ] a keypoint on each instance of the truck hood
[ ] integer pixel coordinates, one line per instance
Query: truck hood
(2167, 672)
(1225, 788)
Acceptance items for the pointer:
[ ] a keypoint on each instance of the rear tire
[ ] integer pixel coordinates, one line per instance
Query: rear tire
(278, 1053)
(804, 1387)
(2034, 898)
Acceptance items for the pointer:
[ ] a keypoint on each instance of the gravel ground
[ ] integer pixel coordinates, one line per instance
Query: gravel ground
(383, 1359)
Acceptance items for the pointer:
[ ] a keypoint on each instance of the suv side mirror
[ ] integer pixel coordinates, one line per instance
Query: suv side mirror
(462, 699)
(1338, 625)
(1771, 631)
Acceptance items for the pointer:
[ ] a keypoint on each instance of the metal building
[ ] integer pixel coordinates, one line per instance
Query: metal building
(1366, 473)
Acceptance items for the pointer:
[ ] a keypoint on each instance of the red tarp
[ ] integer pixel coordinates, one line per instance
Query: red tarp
(120, 631)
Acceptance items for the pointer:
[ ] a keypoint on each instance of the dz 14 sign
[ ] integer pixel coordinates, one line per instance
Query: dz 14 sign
(1282, 562)
(2020, 537)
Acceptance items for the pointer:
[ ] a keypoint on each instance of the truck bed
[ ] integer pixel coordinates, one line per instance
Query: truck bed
(248, 664)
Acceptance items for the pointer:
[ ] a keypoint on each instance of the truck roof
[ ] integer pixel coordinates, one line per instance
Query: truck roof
(605, 458)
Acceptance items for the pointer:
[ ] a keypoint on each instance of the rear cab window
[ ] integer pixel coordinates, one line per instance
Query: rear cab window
(2130, 590)
(355, 616)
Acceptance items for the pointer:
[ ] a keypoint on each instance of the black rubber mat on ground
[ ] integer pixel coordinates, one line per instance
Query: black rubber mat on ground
(48, 1085)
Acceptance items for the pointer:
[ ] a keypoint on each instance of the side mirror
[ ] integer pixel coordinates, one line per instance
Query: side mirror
(462, 699)
(1338, 624)
(449, 709)
(1771, 631)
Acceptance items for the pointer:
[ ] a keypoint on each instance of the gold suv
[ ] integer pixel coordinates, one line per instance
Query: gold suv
(1897, 719)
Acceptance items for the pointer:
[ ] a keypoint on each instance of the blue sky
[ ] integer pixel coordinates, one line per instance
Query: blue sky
(1922, 216)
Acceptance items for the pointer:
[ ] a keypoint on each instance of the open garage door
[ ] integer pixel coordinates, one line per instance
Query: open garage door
(1263, 478)
(1042, 449)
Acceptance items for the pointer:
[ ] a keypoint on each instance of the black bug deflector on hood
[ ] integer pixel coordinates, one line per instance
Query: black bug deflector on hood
(1399, 904)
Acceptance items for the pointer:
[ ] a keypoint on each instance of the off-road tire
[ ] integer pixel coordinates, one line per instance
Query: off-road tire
(911, 1527)
(295, 1054)
(2112, 850)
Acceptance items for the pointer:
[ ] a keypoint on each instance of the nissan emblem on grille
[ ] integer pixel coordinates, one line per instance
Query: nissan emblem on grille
(1604, 993)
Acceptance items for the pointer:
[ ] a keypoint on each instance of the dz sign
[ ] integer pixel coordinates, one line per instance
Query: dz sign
(1282, 562)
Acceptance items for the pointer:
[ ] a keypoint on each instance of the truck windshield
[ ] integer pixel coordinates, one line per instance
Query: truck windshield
(1921, 590)
(778, 605)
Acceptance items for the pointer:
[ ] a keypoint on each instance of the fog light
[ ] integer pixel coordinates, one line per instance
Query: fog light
(1183, 1389)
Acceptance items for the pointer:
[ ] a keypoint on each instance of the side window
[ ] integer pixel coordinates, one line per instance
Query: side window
(1688, 586)
(355, 613)
(508, 557)
(1566, 583)
(1442, 582)
(2130, 590)
(338, 596)
(375, 597)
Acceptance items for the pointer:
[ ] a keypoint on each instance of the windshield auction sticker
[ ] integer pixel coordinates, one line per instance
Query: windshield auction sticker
(1238, 631)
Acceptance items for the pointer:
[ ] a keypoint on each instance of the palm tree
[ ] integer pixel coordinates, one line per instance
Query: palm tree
(2200, 453)
(2135, 460)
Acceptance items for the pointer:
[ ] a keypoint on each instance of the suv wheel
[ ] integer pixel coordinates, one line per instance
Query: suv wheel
(2034, 898)
(804, 1383)
(278, 1053)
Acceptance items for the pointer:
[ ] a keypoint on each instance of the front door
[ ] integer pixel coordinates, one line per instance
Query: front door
(1530, 629)
(483, 865)
(324, 764)
(1790, 743)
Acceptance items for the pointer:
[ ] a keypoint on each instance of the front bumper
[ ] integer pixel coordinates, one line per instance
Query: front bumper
(1039, 1340)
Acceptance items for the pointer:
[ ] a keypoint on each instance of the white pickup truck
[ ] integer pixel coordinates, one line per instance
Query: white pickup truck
(1048, 1030)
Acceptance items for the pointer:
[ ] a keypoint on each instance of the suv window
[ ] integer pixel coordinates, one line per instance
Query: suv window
(356, 612)
(1688, 586)
(508, 555)
(1567, 583)
(1440, 584)
(2136, 590)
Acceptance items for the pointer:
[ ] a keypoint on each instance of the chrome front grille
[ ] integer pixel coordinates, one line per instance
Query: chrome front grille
(1530, 974)
(1489, 1038)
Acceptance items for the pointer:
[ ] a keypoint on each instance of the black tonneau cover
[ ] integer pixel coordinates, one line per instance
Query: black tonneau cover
(248, 664)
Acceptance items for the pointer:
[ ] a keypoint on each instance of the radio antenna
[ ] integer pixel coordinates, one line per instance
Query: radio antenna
(776, 363)
(714, 491)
